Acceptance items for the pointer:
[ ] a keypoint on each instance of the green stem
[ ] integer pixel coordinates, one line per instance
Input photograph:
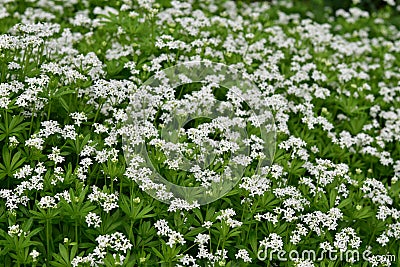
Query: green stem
(98, 112)
(48, 111)
(112, 183)
(76, 232)
(120, 186)
(22, 70)
(131, 230)
(32, 117)
(6, 121)
(48, 240)
(26, 61)
(4, 68)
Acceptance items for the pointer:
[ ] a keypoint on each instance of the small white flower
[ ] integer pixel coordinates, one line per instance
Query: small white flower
(34, 254)
(78, 117)
(47, 202)
(93, 219)
(243, 254)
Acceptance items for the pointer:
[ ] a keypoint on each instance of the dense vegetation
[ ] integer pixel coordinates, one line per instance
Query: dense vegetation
(71, 76)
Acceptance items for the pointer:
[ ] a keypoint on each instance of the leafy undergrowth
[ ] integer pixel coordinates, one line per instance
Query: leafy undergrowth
(68, 70)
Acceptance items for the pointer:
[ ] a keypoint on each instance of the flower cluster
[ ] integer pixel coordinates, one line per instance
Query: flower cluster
(107, 201)
(115, 242)
(281, 126)
(164, 230)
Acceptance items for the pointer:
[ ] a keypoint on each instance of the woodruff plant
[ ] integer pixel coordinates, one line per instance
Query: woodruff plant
(99, 100)
(231, 134)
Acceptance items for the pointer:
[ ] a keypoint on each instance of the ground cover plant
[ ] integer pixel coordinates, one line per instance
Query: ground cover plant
(71, 76)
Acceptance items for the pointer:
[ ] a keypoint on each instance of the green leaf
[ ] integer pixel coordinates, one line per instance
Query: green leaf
(344, 203)
(158, 253)
(332, 198)
(64, 104)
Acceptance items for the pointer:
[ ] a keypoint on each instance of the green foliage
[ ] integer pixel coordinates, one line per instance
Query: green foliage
(64, 180)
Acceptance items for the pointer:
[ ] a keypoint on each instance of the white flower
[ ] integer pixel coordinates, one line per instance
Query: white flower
(347, 237)
(243, 254)
(376, 191)
(78, 117)
(15, 230)
(390, 2)
(107, 201)
(202, 239)
(35, 141)
(273, 241)
(382, 239)
(304, 263)
(47, 202)
(226, 217)
(93, 219)
(55, 155)
(34, 254)
(256, 185)
(207, 224)
(164, 230)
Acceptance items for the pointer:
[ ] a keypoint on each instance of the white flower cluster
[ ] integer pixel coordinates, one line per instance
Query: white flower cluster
(107, 201)
(105, 243)
(55, 156)
(229, 120)
(32, 180)
(269, 217)
(226, 216)
(293, 202)
(256, 185)
(300, 231)
(325, 171)
(164, 230)
(203, 252)
(392, 231)
(47, 202)
(318, 220)
(297, 146)
(181, 204)
(376, 191)
(15, 230)
(187, 260)
(332, 89)
(34, 254)
(347, 237)
(380, 260)
(304, 263)
(79, 117)
(243, 254)
(273, 242)
(93, 219)
(353, 15)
